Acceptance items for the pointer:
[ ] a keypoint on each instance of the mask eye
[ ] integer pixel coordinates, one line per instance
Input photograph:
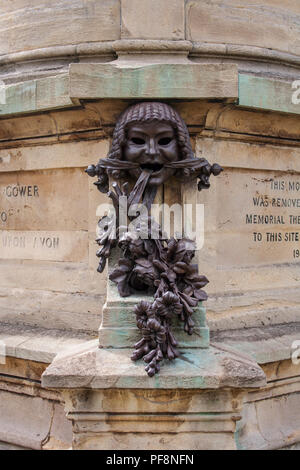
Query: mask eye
(165, 140)
(138, 141)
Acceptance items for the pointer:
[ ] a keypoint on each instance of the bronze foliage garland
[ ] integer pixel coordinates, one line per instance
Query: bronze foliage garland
(161, 267)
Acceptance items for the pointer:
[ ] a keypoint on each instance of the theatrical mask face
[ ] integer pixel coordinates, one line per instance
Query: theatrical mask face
(152, 145)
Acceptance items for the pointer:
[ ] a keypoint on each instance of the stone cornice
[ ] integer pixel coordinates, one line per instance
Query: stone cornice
(145, 81)
(194, 49)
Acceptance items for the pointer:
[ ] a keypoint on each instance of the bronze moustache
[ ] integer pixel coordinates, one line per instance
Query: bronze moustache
(115, 164)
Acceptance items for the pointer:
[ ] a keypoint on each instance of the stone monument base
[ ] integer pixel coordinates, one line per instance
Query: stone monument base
(193, 403)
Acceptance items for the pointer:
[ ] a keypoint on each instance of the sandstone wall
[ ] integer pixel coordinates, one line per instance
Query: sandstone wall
(28, 25)
(48, 206)
(51, 296)
(48, 220)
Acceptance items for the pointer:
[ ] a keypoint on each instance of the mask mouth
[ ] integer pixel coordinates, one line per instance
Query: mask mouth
(153, 167)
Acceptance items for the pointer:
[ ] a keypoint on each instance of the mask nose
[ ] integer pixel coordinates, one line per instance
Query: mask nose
(152, 148)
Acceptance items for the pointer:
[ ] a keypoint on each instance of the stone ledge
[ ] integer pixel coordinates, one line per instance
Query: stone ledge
(267, 94)
(39, 95)
(7, 446)
(195, 48)
(37, 344)
(87, 366)
(140, 79)
(265, 345)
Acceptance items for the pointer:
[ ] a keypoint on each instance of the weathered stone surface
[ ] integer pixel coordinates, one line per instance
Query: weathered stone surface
(50, 157)
(251, 232)
(35, 345)
(159, 81)
(31, 417)
(259, 127)
(257, 429)
(51, 276)
(45, 216)
(118, 326)
(194, 403)
(36, 201)
(7, 446)
(36, 95)
(266, 23)
(265, 345)
(152, 19)
(66, 24)
(54, 127)
(251, 156)
(153, 441)
(27, 421)
(60, 435)
(262, 93)
(144, 400)
(109, 368)
(21, 367)
(39, 245)
(282, 370)
(47, 309)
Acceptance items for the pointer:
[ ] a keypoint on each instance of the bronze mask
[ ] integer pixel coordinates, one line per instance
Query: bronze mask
(151, 144)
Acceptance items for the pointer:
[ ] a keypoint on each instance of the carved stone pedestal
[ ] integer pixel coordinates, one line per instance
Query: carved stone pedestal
(193, 403)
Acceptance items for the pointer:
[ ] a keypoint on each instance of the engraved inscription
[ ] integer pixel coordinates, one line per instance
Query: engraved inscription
(42, 200)
(21, 191)
(49, 246)
(256, 215)
(12, 241)
(279, 201)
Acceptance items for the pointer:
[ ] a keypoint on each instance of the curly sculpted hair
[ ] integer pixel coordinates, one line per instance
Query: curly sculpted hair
(147, 112)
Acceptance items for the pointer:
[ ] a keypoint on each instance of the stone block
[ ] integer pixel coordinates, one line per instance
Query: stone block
(44, 238)
(118, 327)
(17, 128)
(211, 368)
(44, 245)
(36, 96)
(31, 417)
(25, 421)
(265, 344)
(155, 441)
(158, 81)
(36, 346)
(21, 367)
(253, 281)
(75, 311)
(60, 436)
(267, 23)
(260, 430)
(152, 19)
(56, 24)
(264, 93)
(36, 200)
(53, 157)
(193, 403)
